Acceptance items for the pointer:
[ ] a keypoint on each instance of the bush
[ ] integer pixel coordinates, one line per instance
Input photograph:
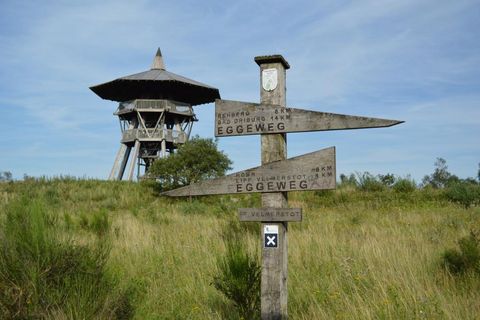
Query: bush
(44, 276)
(441, 177)
(194, 207)
(348, 181)
(5, 176)
(239, 275)
(404, 185)
(368, 182)
(464, 193)
(100, 223)
(236, 229)
(467, 258)
(196, 160)
(387, 180)
(97, 222)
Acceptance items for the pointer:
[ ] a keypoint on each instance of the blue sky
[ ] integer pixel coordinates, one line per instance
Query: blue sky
(411, 60)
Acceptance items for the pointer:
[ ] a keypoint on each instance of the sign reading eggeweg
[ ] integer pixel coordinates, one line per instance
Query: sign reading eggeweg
(312, 171)
(235, 118)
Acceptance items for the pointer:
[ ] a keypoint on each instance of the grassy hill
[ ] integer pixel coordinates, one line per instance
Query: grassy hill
(88, 249)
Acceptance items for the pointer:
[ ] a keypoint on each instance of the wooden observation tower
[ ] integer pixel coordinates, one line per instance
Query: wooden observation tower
(155, 113)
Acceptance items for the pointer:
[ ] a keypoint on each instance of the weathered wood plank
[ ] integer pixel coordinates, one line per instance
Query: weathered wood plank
(274, 293)
(235, 118)
(312, 171)
(270, 214)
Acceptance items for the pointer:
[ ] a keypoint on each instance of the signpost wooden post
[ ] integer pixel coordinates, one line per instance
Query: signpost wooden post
(274, 148)
(277, 174)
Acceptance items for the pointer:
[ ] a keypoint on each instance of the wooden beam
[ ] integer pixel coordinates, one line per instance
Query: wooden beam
(270, 214)
(136, 149)
(236, 118)
(123, 164)
(274, 291)
(312, 171)
(143, 123)
(118, 161)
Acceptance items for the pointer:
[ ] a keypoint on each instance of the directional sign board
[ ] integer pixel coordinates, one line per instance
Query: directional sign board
(270, 214)
(312, 171)
(235, 118)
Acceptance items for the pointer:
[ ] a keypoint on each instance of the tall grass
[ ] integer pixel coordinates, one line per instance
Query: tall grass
(356, 255)
(239, 274)
(44, 274)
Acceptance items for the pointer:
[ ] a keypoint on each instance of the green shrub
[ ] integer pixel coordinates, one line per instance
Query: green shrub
(404, 185)
(236, 229)
(348, 181)
(198, 159)
(68, 221)
(387, 180)
(466, 258)
(6, 176)
(194, 206)
(83, 221)
(100, 224)
(45, 275)
(464, 193)
(368, 182)
(97, 222)
(441, 177)
(239, 280)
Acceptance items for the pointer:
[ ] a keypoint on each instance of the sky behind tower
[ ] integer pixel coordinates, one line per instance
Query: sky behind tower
(417, 61)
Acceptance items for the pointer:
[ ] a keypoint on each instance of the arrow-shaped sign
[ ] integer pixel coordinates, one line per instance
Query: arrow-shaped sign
(235, 118)
(312, 171)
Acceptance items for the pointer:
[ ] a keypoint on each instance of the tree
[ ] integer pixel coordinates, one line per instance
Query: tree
(440, 178)
(348, 180)
(464, 192)
(478, 173)
(197, 159)
(5, 176)
(387, 179)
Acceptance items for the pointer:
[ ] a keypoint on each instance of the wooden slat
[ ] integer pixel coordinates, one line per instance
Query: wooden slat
(312, 171)
(270, 214)
(236, 118)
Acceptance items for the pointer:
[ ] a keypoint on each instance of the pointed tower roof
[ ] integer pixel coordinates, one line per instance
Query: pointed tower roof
(157, 83)
(158, 61)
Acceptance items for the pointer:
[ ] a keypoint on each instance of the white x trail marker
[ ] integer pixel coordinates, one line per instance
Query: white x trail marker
(270, 236)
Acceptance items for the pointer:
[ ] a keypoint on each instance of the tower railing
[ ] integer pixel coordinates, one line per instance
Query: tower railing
(157, 105)
(169, 135)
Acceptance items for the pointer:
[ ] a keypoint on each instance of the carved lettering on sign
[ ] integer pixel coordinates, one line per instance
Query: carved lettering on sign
(234, 118)
(270, 214)
(313, 171)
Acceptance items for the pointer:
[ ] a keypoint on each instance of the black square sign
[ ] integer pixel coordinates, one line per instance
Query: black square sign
(271, 240)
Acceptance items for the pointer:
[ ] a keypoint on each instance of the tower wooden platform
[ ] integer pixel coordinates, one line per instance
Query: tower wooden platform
(155, 113)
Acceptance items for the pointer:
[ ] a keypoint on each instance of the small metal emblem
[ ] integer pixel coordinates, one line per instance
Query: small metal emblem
(269, 79)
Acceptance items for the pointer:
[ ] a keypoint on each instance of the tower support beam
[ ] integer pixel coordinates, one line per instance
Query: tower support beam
(133, 161)
(123, 164)
(118, 161)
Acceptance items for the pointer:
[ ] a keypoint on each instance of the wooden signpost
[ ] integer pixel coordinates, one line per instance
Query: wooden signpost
(312, 171)
(277, 174)
(236, 118)
(270, 214)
